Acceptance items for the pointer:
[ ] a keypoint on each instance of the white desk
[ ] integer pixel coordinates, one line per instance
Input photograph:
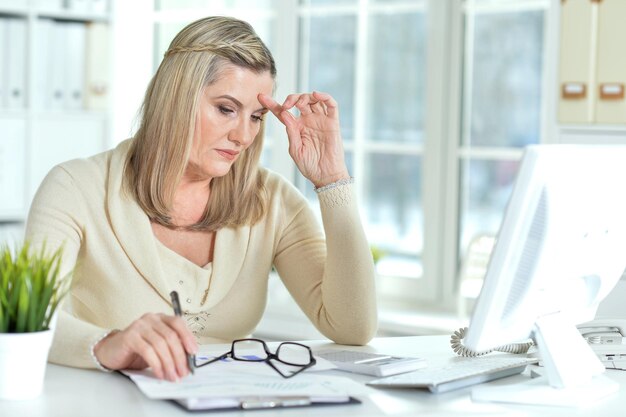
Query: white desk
(70, 392)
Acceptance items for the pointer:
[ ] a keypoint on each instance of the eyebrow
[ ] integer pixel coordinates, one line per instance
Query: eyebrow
(238, 103)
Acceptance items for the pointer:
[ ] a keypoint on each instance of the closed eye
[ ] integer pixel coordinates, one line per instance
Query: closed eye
(259, 115)
(225, 110)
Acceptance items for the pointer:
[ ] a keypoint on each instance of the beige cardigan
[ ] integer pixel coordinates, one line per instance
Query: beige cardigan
(122, 271)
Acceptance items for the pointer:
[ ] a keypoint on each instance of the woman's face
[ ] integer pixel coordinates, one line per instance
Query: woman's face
(229, 118)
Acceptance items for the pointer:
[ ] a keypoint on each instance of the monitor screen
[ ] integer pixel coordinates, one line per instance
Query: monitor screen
(560, 250)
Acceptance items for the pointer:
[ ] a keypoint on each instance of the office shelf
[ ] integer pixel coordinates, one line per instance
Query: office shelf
(55, 82)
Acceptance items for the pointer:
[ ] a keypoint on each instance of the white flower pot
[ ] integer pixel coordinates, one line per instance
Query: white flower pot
(23, 358)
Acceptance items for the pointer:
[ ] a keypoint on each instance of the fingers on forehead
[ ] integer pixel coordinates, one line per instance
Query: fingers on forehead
(326, 98)
(310, 99)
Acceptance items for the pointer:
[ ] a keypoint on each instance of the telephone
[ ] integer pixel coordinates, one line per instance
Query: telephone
(604, 331)
(607, 338)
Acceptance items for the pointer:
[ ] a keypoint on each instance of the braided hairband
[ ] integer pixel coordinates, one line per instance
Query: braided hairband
(191, 48)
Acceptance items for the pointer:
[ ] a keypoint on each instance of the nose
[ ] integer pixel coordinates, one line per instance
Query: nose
(242, 134)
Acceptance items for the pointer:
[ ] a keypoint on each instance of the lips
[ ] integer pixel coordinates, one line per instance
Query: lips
(227, 154)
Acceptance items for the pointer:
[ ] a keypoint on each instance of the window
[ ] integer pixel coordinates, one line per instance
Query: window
(502, 106)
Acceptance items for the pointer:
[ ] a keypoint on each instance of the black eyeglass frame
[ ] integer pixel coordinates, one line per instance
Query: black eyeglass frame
(270, 356)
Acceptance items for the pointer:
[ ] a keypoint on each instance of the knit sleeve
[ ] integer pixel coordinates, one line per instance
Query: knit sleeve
(331, 277)
(56, 220)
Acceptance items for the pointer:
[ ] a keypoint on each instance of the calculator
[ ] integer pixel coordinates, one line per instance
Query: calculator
(368, 363)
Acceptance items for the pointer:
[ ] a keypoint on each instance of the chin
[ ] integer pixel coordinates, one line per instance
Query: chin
(218, 170)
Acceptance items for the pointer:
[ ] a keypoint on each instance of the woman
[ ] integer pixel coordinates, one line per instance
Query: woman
(184, 206)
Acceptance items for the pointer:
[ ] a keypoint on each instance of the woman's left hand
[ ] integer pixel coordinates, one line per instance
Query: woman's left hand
(314, 137)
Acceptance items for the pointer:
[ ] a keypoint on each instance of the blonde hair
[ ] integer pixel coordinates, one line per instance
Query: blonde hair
(161, 147)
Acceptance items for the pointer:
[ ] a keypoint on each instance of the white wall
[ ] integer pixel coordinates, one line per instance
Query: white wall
(132, 66)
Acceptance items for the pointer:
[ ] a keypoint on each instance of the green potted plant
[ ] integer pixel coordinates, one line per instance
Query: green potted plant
(31, 289)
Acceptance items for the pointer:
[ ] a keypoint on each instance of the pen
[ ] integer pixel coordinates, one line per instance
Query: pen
(191, 360)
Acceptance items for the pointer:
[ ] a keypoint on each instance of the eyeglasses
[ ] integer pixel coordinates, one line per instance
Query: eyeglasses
(256, 350)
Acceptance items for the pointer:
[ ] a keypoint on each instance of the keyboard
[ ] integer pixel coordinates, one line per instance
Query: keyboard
(457, 373)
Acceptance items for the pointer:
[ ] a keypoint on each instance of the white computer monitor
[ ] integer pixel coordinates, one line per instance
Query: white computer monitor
(560, 250)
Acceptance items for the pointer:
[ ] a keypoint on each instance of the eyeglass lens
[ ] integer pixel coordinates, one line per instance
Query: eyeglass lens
(293, 354)
(249, 350)
(288, 353)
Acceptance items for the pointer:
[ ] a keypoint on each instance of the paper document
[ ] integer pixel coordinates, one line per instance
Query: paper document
(229, 379)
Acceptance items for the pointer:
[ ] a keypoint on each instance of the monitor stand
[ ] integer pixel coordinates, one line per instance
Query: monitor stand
(572, 371)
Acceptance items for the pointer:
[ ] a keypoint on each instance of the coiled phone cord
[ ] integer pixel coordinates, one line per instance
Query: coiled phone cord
(456, 341)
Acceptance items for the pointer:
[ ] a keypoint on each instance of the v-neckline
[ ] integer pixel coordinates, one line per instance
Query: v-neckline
(132, 228)
(175, 255)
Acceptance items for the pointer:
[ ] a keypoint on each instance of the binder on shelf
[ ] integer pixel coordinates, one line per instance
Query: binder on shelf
(16, 63)
(74, 60)
(56, 72)
(78, 5)
(99, 6)
(42, 61)
(50, 5)
(592, 63)
(11, 166)
(611, 63)
(3, 62)
(577, 91)
(97, 68)
(13, 4)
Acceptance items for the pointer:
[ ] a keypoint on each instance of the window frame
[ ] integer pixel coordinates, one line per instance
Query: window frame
(459, 153)
(395, 291)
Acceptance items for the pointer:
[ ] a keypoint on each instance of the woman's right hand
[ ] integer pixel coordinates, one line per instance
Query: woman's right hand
(158, 341)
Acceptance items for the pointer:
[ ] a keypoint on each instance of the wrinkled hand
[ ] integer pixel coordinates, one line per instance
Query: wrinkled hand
(314, 137)
(158, 341)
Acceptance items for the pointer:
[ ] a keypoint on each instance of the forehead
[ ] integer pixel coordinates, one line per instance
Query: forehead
(241, 83)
